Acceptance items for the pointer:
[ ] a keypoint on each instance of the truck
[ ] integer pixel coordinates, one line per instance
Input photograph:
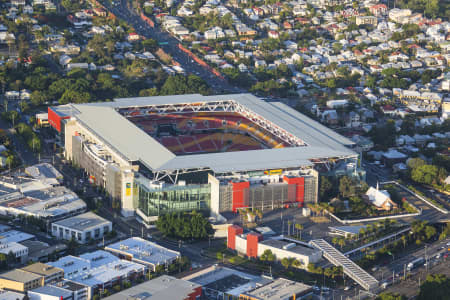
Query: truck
(415, 263)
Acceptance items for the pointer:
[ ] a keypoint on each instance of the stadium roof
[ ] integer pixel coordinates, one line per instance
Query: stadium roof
(135, 145)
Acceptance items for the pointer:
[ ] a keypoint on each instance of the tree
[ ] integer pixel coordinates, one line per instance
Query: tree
(287, 262)
(325, 188)
(341, 243)
(297, 264)
(150, 45)
(390, 296)
(299, 228)
(436, 287)
(185, 226)
(414, 163)
(347, 187)
(267, 256)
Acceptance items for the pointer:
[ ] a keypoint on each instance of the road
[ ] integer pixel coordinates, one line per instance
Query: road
(25, 154)
(123, 11)
(396, 269)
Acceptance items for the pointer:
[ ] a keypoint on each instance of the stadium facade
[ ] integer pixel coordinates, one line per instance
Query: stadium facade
(205, 153)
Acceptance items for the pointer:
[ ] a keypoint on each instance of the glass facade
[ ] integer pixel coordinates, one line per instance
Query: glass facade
(156, 202)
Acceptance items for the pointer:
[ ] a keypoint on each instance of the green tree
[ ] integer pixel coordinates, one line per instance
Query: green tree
(267, 256)
(436, 287)
(347, 187)
(390, 296)
(326, 187)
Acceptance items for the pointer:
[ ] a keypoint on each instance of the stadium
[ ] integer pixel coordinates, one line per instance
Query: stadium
(207, 153)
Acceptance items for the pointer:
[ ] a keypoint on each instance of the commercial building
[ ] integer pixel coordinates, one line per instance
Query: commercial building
(45, 172)
(99, 270)
(62, 290)
(39, 199)
(10, 295)
(20, 281)
(82, 228)
(206, 153)
(50, 293)
(279, 289)
(50, 273)
(20, 252)
(162, 287)
(42, 252)
(219, 282)
(143, 252)
(254, 245)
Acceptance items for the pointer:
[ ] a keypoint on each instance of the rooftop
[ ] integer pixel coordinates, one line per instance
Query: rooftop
(279, 289)
(42, 269)
(15, 236)
(52, 291)
(19, 276)
(222, 279)
(135, 145)
(106, 273)
(83, 222)
(163, 287)
(10, 295)
(144, 251)
(44, 171)
(38, 249)
(290, 245)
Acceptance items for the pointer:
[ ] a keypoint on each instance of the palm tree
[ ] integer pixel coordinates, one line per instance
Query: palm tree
(403, 238)
(299, 228)
(296, 263)
(335, 240)
(289, 227)
(341, 243)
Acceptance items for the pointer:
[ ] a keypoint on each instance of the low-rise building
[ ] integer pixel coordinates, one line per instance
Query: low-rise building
(253, 245)
(82, 228)
(224, 283)
(10, 295)
(99, 270)
(381, 199)
(163, 287)
(20, 281)
(279, 289)
(144, 252)
(62, 290)
(51, 274)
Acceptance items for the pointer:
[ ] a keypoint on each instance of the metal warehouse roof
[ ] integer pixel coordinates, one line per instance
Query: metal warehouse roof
(135, 145)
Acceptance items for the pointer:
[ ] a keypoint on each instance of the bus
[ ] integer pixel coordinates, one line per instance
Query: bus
(163, 43)
(415, 263)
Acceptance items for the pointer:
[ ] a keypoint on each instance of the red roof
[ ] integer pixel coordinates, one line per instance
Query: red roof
(388, 107)
(378, 6)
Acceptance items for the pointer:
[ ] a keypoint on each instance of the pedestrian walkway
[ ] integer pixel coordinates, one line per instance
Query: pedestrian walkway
(351, 269)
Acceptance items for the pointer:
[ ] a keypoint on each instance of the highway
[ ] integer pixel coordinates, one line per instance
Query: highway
(122, 10)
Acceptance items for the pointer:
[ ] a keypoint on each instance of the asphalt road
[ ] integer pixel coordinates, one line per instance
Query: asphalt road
(123, 11)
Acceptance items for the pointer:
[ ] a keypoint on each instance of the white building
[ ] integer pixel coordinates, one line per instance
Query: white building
(98, 270)
(82, 228)
(144, 252)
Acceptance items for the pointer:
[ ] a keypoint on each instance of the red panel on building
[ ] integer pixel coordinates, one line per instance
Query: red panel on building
(55, 120)
(196, 294)
(233, 231)
(240, 190)
(299, 183)
(252, 244)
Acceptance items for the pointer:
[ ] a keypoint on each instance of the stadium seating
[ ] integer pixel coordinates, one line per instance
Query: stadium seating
(191, 137)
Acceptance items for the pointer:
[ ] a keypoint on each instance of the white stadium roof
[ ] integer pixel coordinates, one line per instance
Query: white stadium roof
(134, 144)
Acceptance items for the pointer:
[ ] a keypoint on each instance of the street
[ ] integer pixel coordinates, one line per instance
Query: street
(126, 13)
